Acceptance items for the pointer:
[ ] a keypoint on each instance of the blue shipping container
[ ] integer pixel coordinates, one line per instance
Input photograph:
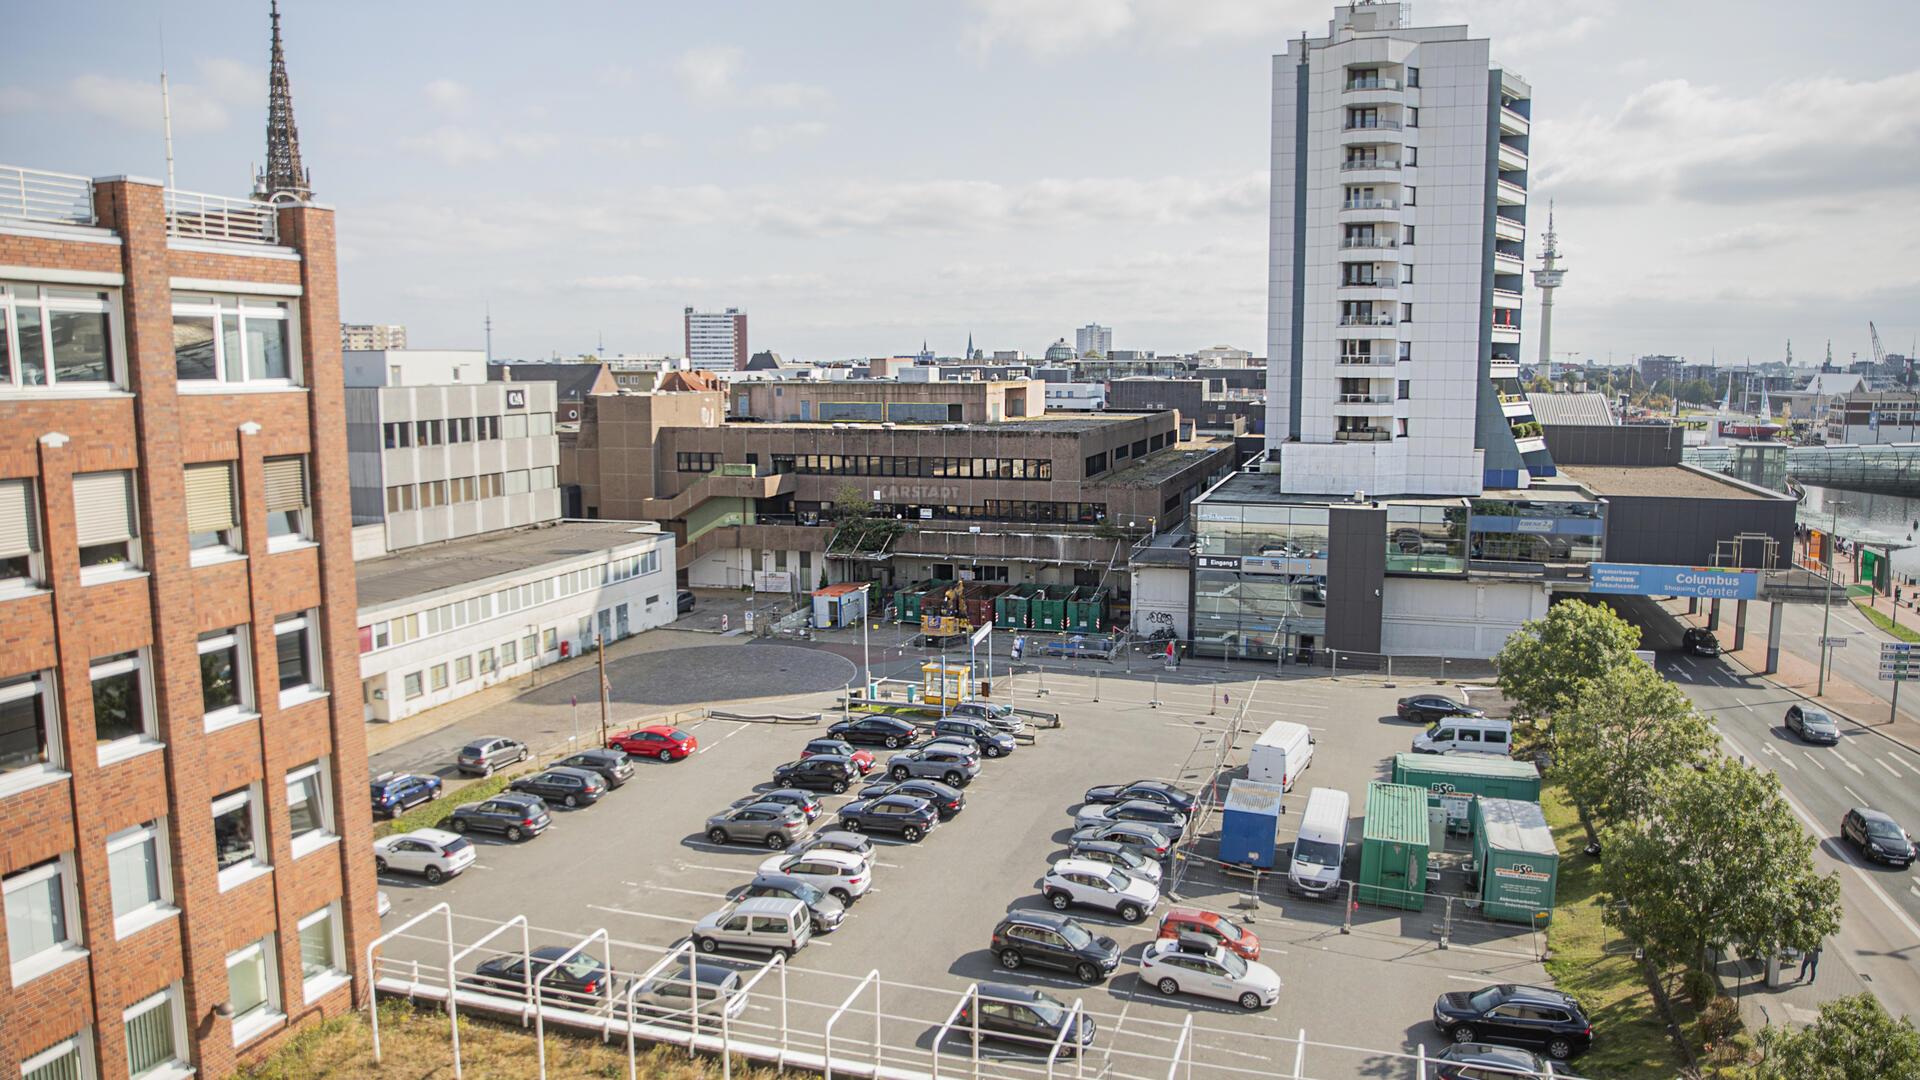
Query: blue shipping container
(1250, 824)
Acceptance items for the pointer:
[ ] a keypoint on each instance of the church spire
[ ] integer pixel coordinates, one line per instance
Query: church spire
(284, 178)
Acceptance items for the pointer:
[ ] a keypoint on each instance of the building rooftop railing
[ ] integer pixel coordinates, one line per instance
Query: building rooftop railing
(38, 195)
(194, 216)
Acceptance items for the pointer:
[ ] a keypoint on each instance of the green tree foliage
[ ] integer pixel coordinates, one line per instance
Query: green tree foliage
(1544, 664)
(1854, 1039)
(1626, 734)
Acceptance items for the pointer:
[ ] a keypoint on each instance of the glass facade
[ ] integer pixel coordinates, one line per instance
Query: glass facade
(1427, 539)
(1523, 533)
(1260, 585)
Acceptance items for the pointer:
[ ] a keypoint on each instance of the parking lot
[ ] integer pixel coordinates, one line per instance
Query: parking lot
(639, 866)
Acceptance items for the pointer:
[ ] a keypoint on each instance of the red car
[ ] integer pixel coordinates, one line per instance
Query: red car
(862, 759)
(1187, 920)
(661, 742)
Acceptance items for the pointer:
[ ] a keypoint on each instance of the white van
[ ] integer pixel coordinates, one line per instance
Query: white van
(1314, 868)
(1466, 735)
(1281, 754)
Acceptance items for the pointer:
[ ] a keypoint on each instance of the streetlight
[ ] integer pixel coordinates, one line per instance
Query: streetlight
(1826, 618)
(866, 615)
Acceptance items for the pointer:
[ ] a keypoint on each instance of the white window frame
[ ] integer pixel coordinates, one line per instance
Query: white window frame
(328, 830)
(160, 908)
(307, 624)
(302, 534)
(171, 999)
(418, 679)
(242, 710)
(48, 303)
(242, 872)
(314, 987)
(270, 1013)
(231, 542)
(28, 968)
(135, 564)
(33, 581)
(40, 683)
(79, 1044)
(147, 739)
(247, 308)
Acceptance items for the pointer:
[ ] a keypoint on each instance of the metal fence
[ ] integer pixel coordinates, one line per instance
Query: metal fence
(193, 216)
(38, 195)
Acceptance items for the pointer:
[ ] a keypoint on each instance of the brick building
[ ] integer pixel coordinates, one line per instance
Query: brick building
(183, 841)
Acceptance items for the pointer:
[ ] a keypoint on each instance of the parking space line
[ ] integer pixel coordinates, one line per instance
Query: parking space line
(721, 869)
(690, 892)
(1468, 978)
(644, 915)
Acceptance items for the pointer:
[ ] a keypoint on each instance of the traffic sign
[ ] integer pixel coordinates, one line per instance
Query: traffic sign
(1834, 642)
(1896, 647)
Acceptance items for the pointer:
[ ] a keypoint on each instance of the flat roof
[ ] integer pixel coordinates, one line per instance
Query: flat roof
(459, 563)
(1164, 464)
(1048, 422)
(1660, 480)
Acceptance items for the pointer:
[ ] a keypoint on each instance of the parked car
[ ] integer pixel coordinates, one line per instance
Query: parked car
(568, 787)
(1485, 1061)
(1049, 940)
(991, 741)
(683, 602)
(903, 815)
(862, 759)
(1148, 841)
(1001, 717)
(949, 766)
(1192, 964)
(668, 994)
(1091, 884)
(1168, 820)
(660, 742)
(1427, 708)
(611, 766)
(827, 911)
(396, 793)
(804, 801)
(840, 874)
(579, 980)
(773, 923)
(772, 824)
(955, 744)
(1515, 1015)
(1181, 922)
(382, 903)
(947, 801)
(822, 772)
(1119, 855)
(1812, 725)
(1033, 1019)
(1145, 790)
(434, 854)
(1877, 836)
(1699, 641)
(837, 840)
(888, 731)
(511, 814)
(481, 756)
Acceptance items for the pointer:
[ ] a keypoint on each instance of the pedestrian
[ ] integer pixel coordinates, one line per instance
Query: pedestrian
(1810, 964)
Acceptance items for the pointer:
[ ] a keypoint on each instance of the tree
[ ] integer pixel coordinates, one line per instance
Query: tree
(851, 502)
(1854, 1039)
(1626, 733)
(1717, 859)
(1543, 664)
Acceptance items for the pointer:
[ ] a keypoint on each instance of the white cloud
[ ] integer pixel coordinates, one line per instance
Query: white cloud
(1049, 27)
(448, 95)
(1756, 236)
(455, 145)
(205, 102)
(765, 138)
(711, 74)
(695, 283)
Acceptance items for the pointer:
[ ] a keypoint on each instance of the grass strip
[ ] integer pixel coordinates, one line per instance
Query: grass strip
(431, 815)
(1879, 619)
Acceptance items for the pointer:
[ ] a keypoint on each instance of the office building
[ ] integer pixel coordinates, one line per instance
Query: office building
(571, 383)
(1399, 206)
(1655, 369)
(361, 337)
(717, 340)
(1093, 340)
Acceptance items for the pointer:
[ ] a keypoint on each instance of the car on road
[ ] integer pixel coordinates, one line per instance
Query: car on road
(1515, 1015)
(840, 874)
(822, 772)
(434, 854)
(1699, 641)
(989, 740)
(1147, 790)
(1812, 725)
(837, 840)
(828, 912)
(1877, 836)
(483, 755)
(611, 766)
(668, 994)
(1148, 841)
(1045, 939)
(804, 801)
(1179, 922)
(1192, 964)
(1485, 1061)
(945, 764)
(1169, 821)
(1426, 708)
(660, 742)
(888, 731)
(395, 793)
(862, 759)
(568, 787)
(511, 814)
(578, 980)
(903, 815)
(682, 602)
(947, 801)
(773, 825)
(1032, 1019)
(1091, 884)
(1002, 717)
(1119, 855)
(778, 924)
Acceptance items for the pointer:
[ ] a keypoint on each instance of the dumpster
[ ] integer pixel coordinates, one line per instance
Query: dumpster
(1050, 607)
(1393, 847)
(977, 601)
(839, 605)
(1012, 609)
(1087, 611)
(1454, 780)
(1515, 860)
(1250, 824)
(912, 597)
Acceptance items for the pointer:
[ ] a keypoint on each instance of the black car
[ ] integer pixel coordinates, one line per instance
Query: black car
(683, 602)
(1031, 1018)
(1150, 790)
(1050, 940)
(513, 816)
(568, 787)
(1700, 641)
(991, 740)
(1812, 725)
(888, 731)
(1515, 1015)
(905, 815)
(611, 766)
(1877, 836)
(822, 772)
(1485, 1061)
(804, 801)
(394, 793)
(1427, 708)
(580, 980)
(947, 801)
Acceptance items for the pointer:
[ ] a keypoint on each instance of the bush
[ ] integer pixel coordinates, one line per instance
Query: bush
(1701, 989)
(1719, 1020)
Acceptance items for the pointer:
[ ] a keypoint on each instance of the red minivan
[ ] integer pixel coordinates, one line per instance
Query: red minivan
(1189, 920)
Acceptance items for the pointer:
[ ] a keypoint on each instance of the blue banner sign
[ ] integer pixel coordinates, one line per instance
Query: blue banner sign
(1647, 579)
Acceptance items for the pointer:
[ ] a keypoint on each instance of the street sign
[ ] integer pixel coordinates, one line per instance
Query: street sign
(1834, 642)
(1895, 647)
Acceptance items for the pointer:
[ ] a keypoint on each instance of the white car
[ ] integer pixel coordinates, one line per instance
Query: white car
(840, 874)
(1191, 964)
(435, 854)
(1169, 821)
(1096, 884)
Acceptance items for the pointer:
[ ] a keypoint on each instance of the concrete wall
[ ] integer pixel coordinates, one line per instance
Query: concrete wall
(418, 367)
(1685, 531)
(1161, 600)
(1617, 444)
(1453, 617)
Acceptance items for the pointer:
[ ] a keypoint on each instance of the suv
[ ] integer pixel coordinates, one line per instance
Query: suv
(1147, 841)
(991, 740)
(481, 756)
(1194, 964)
(1032, 1018)
(510, 814)
(682, 602)
(394, 793)
(1485, 1061)
(910, 817)
(888, 731)
(947, 801)
(804, 801)
(1120, 855)
(1159, 815)
(1812, 725)
(1081, 881)
(1513, 1014)
(999, 717)
(568, 787)
(1430, 707)
(611, 766)
(432, 853)
(1145, 790)
(949, 766)
(837, 840)
(822, 772)
(831, 747)
(1699, 641)
(1044, 939)
(668, 994)
(841, 874)
(774, 824)
(777, 924)
(1877, 836)
(1185, 922)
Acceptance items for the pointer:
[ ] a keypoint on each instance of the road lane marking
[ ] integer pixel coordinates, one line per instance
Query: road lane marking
(1818, 833)
(1891, 769)
(1902, 762)
(1855, 794)
(1784, 759)
(1813, 759)
(1848, 764)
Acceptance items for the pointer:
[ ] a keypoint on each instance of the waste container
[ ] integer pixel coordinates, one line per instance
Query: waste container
(1393, 847)
(1515, 860)
(1455, 779)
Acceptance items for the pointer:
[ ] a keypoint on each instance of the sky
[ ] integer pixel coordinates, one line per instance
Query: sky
(863, 175)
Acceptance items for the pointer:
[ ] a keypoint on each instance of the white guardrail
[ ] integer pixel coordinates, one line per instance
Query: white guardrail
(193, 216)
(38, 195)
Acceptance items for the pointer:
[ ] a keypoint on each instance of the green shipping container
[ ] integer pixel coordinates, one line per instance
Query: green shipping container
(1087, 611)
(1514, 856)
(1393, 847)
(1455, 779)
(1049, 607)
(909, 601)
(1011, 610)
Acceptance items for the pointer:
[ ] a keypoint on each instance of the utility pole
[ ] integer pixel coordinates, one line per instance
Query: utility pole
(600, 646)
(866, 617)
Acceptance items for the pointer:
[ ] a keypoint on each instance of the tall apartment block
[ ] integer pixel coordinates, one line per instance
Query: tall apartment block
(1398, 231)
(360, 337)
(182, 846)
(717, 340)
(1093, 340)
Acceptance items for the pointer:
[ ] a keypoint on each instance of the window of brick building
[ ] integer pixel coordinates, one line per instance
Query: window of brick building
(226, 691)
(105, 527)
(157, 1035)
(58, 339)
(240, 836)
(43, 918)
(19, 538)
(123, 720)
(220, 341)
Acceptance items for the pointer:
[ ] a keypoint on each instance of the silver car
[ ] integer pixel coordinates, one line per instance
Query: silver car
(668, 994)
(774, 824)
(947, 764)
(483, 755)
(1001, 717)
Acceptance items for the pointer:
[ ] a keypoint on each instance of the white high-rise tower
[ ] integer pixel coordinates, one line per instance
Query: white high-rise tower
(1547, 279)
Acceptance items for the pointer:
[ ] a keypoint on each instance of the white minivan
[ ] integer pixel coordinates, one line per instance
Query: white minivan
(1466, 735)
(1281, 754)
(1313, 870)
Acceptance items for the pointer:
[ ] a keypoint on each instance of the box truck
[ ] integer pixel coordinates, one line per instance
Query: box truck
(1281, 754)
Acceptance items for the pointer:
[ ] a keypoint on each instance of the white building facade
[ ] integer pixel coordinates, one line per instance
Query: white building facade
(1093, 340)
(716, 340)
(364, 336)
(1398, 222)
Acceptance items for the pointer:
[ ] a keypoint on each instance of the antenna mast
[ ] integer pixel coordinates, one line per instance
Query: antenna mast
(166, 103)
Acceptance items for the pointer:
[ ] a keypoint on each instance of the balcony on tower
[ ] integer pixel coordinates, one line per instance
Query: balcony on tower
(1508, 193)
(1506, 325)
(1506, 228)
(1512, 158)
